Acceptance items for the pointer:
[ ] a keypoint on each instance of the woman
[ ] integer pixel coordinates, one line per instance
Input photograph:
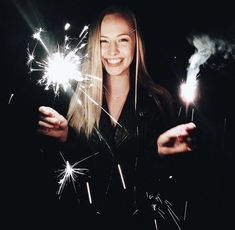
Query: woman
(117, 131)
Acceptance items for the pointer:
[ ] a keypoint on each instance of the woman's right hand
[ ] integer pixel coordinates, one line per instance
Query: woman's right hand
(52, 124)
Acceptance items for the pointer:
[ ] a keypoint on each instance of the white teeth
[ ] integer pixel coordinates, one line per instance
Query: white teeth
(114, 60)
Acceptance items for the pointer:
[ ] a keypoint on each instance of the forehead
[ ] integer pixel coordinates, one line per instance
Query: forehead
(115, 24)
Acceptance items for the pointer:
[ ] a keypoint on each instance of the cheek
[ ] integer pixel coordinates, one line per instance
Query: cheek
(130, 54)
(102, 53)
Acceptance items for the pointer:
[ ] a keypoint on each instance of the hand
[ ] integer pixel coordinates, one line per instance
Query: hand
(52, 124)
(176, 140)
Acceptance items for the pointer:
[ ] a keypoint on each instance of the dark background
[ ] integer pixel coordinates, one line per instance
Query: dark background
(165, 26)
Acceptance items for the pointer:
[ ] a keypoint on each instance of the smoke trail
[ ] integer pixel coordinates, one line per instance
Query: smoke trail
(207, 48)
(213, 51)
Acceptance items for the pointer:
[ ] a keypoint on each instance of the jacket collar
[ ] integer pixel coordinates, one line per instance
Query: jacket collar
(126, 126)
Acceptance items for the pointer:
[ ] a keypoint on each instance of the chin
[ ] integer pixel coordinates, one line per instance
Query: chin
(114, 73)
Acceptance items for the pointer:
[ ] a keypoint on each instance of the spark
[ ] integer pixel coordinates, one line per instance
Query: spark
(155, 223)
(67, 26)
(9, 101)
(173, 217)
(185, 209)
(70, 173)
(89, 192)
(121, 175)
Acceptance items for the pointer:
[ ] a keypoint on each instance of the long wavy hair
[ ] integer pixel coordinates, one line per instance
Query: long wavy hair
(86, 104)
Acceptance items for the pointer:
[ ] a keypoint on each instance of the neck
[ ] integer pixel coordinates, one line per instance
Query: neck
(117, 85)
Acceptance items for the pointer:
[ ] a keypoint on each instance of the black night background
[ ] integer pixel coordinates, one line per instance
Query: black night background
(166, 27)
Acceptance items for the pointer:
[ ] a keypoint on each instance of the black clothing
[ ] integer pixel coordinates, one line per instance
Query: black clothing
(128, 181)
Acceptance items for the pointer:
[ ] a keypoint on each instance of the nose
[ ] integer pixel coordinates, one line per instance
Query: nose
(113, 48)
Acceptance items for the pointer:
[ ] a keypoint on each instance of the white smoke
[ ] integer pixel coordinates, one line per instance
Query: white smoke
(205, 47)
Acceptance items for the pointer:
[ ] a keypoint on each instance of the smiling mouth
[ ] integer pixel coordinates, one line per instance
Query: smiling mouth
(114, 61)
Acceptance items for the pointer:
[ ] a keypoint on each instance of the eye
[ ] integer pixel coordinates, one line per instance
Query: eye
(104, 43)
(123, 40)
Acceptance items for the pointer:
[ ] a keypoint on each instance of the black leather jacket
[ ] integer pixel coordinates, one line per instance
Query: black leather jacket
(121, 174)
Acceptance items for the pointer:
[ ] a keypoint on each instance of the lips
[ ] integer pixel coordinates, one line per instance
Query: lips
(114, 61)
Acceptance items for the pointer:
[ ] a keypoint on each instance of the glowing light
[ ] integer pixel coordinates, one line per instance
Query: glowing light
(204, 48)
(188, 91)
(67, 26)
(69, 173)
(62, 66)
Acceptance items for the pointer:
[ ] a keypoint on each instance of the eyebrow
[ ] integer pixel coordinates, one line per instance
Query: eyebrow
(132, 31)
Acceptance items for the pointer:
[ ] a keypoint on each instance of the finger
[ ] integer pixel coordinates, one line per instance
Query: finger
(43, 124)
(51, 120)
(48, 111)
(190, 126)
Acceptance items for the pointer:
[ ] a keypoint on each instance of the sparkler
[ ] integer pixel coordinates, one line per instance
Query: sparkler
(63, 66)
(63, 62)
(204, 49)
(70, 173)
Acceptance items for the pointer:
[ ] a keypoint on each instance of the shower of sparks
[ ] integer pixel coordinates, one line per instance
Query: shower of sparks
(162, 208)
(62, 63)
(70, 173)
(63, 66)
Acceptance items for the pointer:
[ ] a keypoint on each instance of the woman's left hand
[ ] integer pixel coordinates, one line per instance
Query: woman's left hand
(176, 140)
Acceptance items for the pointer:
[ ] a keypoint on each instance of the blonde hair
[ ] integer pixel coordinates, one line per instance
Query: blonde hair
(84, 116)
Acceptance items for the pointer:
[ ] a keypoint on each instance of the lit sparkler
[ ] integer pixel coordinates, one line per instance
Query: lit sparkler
(62, 64)
(188, 90)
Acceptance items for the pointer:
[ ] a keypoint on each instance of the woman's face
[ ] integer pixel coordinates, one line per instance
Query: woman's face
(117, 44)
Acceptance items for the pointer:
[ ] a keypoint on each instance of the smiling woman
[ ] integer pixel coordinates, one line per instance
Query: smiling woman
(121, 120)
(110, 163)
